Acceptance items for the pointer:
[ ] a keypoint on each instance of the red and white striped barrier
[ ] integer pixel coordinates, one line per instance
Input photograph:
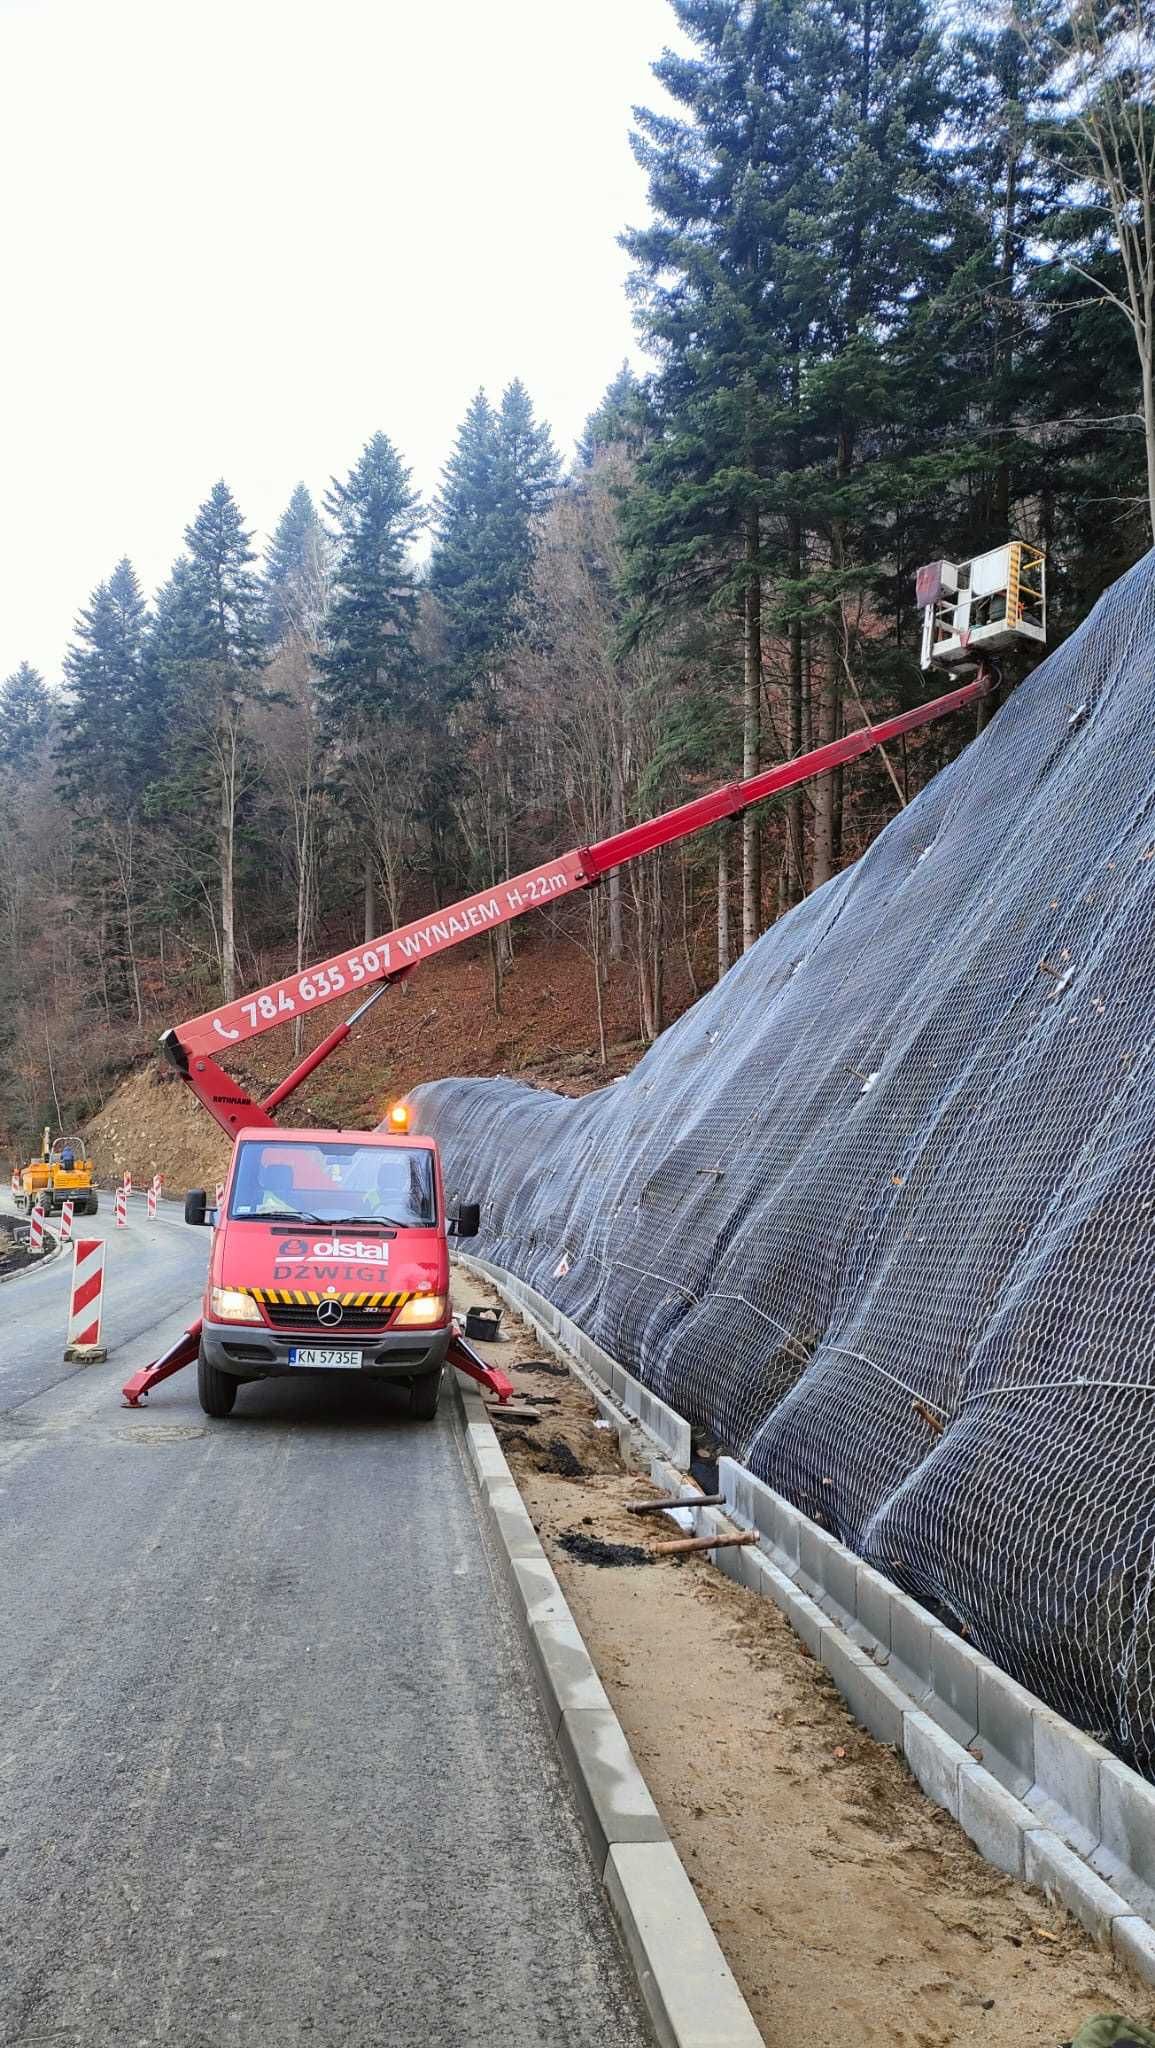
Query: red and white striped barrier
(158, 1185)
(220, 1193)
(16, 1188)
(128, 1183)
(152, 1205)
(36, 1229)
(121, 1208)
(87, 1296)
(67, 1212)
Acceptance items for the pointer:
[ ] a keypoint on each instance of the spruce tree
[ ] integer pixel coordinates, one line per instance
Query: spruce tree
(500, 476)
(730, 281)
(295, 573)
(207, 652)
(109, 749)
(464, 545)
(25, 717)
(616, 419)
(368, 661)
(368, 669)
(227, 591)
(107, 746)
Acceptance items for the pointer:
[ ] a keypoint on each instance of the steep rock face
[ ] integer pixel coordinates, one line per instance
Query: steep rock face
(880, 1210)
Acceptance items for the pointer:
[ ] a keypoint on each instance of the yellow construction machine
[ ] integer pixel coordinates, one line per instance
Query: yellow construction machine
(59, 1172)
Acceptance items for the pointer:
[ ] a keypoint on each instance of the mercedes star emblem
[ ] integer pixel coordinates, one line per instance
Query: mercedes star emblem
(330, 1313)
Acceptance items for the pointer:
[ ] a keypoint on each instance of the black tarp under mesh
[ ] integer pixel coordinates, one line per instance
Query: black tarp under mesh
(898, 1170)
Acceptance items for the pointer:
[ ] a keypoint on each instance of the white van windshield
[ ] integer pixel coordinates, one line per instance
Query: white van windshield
(331, 1183)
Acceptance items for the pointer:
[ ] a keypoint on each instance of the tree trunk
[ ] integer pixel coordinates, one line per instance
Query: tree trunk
(228, 877)
(826, 725)
(723, 902)
(1004, 345)
(614, 878)
(658, 972)
(595, 910)
(795, 864)
(1149, 424)
(751, 736)
(687, 949)
(369, 894)
(123, 855)
(495, 963)
(837, 782)
(303, 895)
(828, 790)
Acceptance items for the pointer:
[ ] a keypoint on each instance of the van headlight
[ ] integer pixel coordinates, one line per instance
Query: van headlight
(424, 1312)
(233, 1305)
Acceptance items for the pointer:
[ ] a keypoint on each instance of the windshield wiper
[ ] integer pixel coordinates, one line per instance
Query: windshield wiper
(288, 1216)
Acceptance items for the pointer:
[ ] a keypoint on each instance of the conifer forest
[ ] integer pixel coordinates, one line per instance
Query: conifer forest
(894, 293)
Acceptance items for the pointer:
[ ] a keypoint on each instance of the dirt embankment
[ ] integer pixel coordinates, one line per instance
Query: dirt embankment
(440, 1022)
(850, 1909)
(153, 1124)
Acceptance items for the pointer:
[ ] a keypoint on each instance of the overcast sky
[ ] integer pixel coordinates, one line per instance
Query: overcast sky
(239, 236)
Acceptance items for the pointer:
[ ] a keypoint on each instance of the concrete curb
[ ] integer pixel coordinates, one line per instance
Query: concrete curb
(689, 1990)
(616, 1391)
(47, 1259)
(1039, 1798)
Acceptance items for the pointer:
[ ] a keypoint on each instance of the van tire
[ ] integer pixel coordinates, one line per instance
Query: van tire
(425, 1394)
(216, 1391)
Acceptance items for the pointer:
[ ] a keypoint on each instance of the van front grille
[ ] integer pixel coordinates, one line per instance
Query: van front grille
(297, 1316)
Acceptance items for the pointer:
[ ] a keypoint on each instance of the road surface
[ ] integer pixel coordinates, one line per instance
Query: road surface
(272, 1770)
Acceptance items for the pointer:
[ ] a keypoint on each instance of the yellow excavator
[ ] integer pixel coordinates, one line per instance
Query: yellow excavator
(59, 1172)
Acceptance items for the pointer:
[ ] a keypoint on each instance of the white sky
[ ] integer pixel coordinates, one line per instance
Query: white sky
(240, 236)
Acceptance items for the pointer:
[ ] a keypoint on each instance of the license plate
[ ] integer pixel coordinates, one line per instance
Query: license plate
(340, 1360)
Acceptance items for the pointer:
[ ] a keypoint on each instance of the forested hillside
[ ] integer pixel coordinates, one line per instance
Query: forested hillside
(895, 292)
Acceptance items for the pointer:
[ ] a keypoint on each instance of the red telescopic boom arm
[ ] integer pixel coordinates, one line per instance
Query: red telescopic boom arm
(192, 1046)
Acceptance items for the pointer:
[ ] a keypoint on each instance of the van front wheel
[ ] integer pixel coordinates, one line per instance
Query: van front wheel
(425, 1395)
(216, 1391)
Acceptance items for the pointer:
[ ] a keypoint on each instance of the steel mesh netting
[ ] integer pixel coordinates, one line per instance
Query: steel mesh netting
(879, 1211)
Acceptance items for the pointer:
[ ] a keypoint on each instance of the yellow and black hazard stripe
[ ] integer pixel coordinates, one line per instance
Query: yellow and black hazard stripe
(302, 1297)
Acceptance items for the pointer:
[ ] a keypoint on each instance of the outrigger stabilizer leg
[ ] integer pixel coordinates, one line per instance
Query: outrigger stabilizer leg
(184, 1351)
(178, 1355)
(465, 1358)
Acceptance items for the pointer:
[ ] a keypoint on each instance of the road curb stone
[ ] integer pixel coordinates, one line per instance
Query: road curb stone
(689, 1990)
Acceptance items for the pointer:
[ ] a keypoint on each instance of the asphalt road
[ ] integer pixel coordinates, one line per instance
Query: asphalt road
(272, 1770)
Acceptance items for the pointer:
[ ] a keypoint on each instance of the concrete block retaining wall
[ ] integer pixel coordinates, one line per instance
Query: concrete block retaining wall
(1039, 1798)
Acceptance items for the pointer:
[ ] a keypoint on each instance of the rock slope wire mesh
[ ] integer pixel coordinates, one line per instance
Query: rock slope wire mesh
(880, 1210)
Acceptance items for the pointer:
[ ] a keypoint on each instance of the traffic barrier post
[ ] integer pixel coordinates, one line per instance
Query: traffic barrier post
(128, 1183)
(121, 1208)
(36, 1229)
(152, 1205)
(67, 1212)
(87, 1305)
(220, 1193)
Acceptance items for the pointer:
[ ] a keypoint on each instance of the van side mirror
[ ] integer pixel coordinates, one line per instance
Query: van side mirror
(195, 1203)
(466, 1219)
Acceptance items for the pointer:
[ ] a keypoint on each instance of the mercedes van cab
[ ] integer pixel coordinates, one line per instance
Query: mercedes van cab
(330, 1254)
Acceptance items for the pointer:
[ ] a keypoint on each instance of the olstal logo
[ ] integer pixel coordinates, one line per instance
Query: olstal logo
(368, 1251)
